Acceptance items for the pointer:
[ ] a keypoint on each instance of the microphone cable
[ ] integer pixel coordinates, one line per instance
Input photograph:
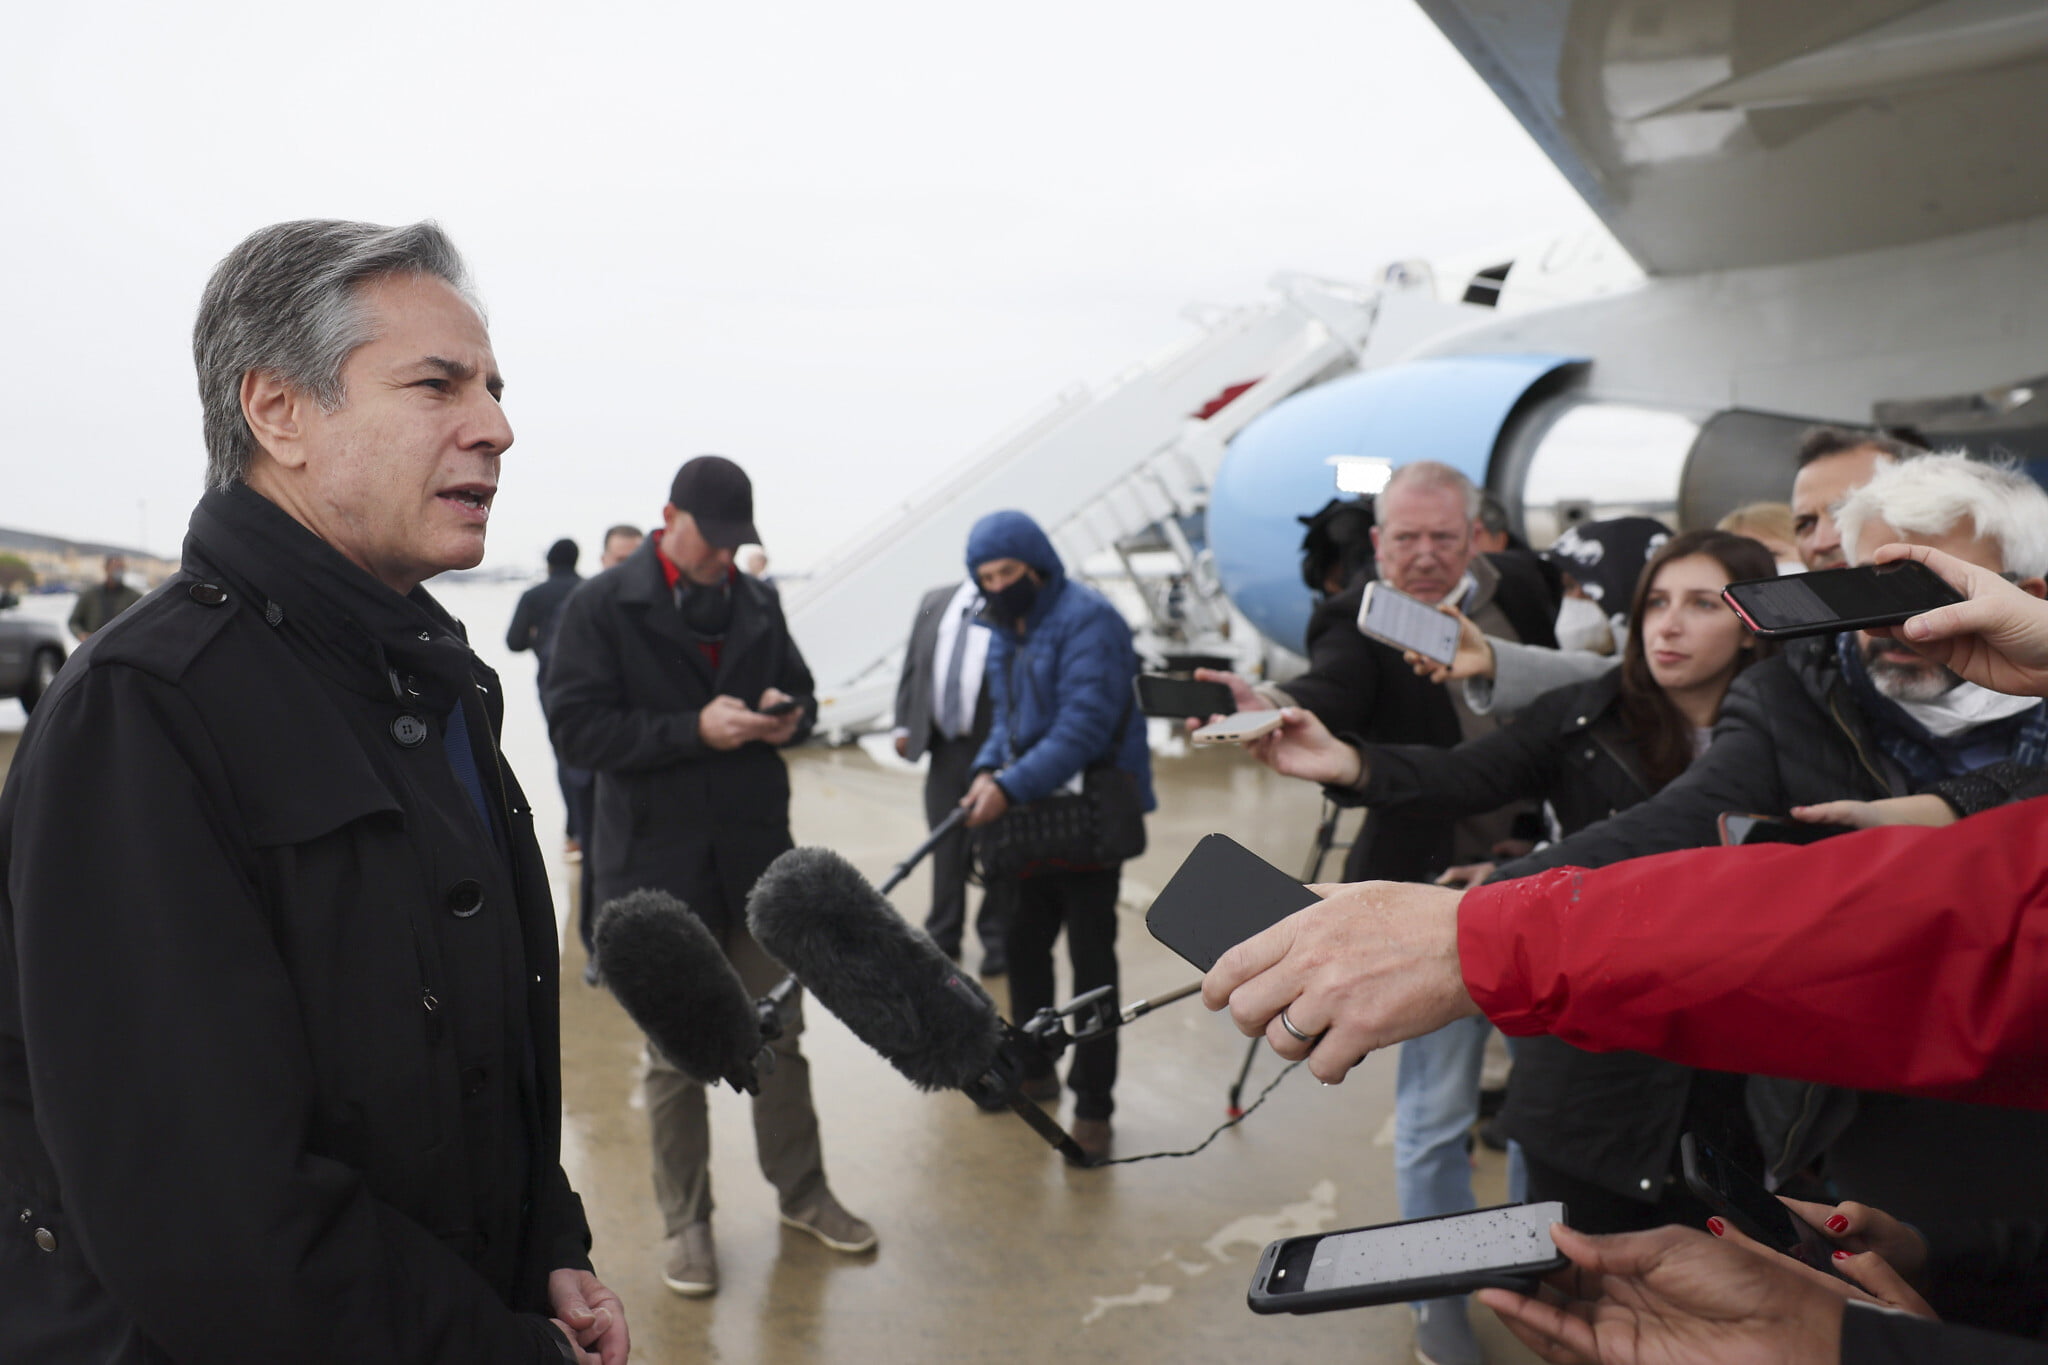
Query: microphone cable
(1217, 1132)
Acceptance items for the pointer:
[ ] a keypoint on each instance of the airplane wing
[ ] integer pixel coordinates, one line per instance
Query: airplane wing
(1712, 134)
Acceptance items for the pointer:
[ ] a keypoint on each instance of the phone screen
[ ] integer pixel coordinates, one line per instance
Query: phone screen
(1182, 698)
(1832, 599)
(1730, 1190)
(1397, 619)
(1498, 1241)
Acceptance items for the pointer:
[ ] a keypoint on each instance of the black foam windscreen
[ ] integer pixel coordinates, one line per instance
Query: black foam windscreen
(883, 978)
(675, 982)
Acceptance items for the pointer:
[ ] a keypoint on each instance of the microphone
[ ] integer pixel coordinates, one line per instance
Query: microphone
(673, 979)
(885, 980)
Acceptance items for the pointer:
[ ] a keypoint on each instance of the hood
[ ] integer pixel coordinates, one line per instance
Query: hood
(1013, 535)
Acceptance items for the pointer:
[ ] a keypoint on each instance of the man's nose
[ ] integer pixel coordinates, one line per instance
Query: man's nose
(488, 427)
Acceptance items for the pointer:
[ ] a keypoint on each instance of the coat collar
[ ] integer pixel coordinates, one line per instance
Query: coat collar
(644, 588)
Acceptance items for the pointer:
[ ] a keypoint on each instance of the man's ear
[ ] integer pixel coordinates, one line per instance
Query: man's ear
(2034, 587)
(276, 413)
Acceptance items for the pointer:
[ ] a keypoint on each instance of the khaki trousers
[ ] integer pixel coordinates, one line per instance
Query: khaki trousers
(785, 1124)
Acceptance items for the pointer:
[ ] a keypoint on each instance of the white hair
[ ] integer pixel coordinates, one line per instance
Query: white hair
(1934, 494)
(1428, 474)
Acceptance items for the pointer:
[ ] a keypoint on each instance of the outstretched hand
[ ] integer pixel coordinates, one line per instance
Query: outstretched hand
(1998, 638)
(1303, 747)
(1473, 658)
(1371, 964)
(1673, 1296)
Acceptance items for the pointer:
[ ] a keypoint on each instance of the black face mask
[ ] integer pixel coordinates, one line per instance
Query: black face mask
(1013, 603)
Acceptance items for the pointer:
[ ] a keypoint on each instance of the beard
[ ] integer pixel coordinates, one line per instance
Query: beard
(1905, 676)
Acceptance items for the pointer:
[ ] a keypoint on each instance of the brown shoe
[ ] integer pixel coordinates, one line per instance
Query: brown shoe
(1092, 1137)
(832, 1225)
(690, 1262)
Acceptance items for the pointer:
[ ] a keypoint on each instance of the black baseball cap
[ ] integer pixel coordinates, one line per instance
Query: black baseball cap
(719, 496)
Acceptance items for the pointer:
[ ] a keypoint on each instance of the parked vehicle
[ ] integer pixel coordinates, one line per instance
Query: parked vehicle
(31, 652)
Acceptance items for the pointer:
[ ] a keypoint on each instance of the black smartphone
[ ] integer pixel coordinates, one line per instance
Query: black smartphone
(1765, 829)
(1182, 698)
(1222, 895)
(1424, 1258)
(1833, 600)
(781, 708)
(1741, 1198)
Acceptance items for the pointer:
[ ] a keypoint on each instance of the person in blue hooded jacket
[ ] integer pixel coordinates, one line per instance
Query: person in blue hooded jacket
(1060, 666)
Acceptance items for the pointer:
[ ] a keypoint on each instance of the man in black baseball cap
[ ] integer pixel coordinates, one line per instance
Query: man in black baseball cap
(675, 679)
(719, 497)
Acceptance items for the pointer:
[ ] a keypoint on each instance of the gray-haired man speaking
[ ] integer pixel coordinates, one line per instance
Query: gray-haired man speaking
(279, 1075)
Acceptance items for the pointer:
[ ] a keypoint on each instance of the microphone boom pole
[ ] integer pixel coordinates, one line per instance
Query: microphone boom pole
(939, 831)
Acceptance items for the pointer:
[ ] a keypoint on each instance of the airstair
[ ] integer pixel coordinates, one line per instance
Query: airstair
(1120, 480)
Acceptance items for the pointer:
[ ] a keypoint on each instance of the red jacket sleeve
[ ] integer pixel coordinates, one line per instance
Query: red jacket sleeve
(1904, 959)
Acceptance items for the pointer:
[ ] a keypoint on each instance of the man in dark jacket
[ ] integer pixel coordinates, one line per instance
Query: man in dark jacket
(675, 679)
(942, 710)
(1060, 665)
(282, 1080)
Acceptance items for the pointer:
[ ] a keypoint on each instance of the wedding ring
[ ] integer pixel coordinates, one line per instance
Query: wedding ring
(1288, 1024)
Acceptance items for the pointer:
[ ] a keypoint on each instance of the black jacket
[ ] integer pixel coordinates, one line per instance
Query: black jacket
(1609, 1118)
(623, 692)
(1360, 688)
(279, 1065)
(533, 620)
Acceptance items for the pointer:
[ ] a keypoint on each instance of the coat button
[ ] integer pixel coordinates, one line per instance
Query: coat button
(273, 613)
(1646, 1184)
(465, 898)
(473, 1078)
(46, 1239)
(410, 731)
(207, 594)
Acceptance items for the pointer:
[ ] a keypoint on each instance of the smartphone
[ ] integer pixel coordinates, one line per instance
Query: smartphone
(1424, 1258)
(1394, 618)
(1182, 698)
(1741, 1198)
(1833, 600)
(1766, 829)
(1222, 895)
(781, 708)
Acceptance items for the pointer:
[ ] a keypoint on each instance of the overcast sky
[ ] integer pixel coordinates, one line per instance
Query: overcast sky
(845, 244)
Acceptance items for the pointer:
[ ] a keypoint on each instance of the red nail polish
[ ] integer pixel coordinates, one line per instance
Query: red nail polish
(1838, 1224)
(1841, 1255)
(1716, 1226)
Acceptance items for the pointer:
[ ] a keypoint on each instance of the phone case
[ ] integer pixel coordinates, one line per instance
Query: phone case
(1734, 593)
(1523, 1279)
(1222, 895)
(1812, 1249)
(1238, 728)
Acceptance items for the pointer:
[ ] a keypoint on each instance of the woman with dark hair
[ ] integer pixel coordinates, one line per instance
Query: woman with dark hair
(1599, 1131)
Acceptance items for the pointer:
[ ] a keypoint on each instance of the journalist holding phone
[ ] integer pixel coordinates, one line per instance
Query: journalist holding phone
(1795, 961)
(1599, 1131)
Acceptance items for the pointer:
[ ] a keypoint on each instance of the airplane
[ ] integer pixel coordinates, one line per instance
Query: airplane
(1823, 212)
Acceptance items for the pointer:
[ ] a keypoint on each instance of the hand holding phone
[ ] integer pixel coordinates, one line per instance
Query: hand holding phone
(1741, 1198)
(1766, 829)
(1833, 600)
(781, 708)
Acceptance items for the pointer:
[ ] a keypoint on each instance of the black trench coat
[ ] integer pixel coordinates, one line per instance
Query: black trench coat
(279, 1069)
(623, 691)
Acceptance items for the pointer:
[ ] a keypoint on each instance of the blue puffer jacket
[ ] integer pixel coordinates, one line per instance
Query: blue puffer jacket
(1060, 689)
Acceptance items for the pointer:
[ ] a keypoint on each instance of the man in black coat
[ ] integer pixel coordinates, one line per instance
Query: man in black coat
(676, 680)
(942, 709)
(281, 1081)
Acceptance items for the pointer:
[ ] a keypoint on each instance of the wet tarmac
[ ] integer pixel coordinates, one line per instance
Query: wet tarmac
(992, 1248)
